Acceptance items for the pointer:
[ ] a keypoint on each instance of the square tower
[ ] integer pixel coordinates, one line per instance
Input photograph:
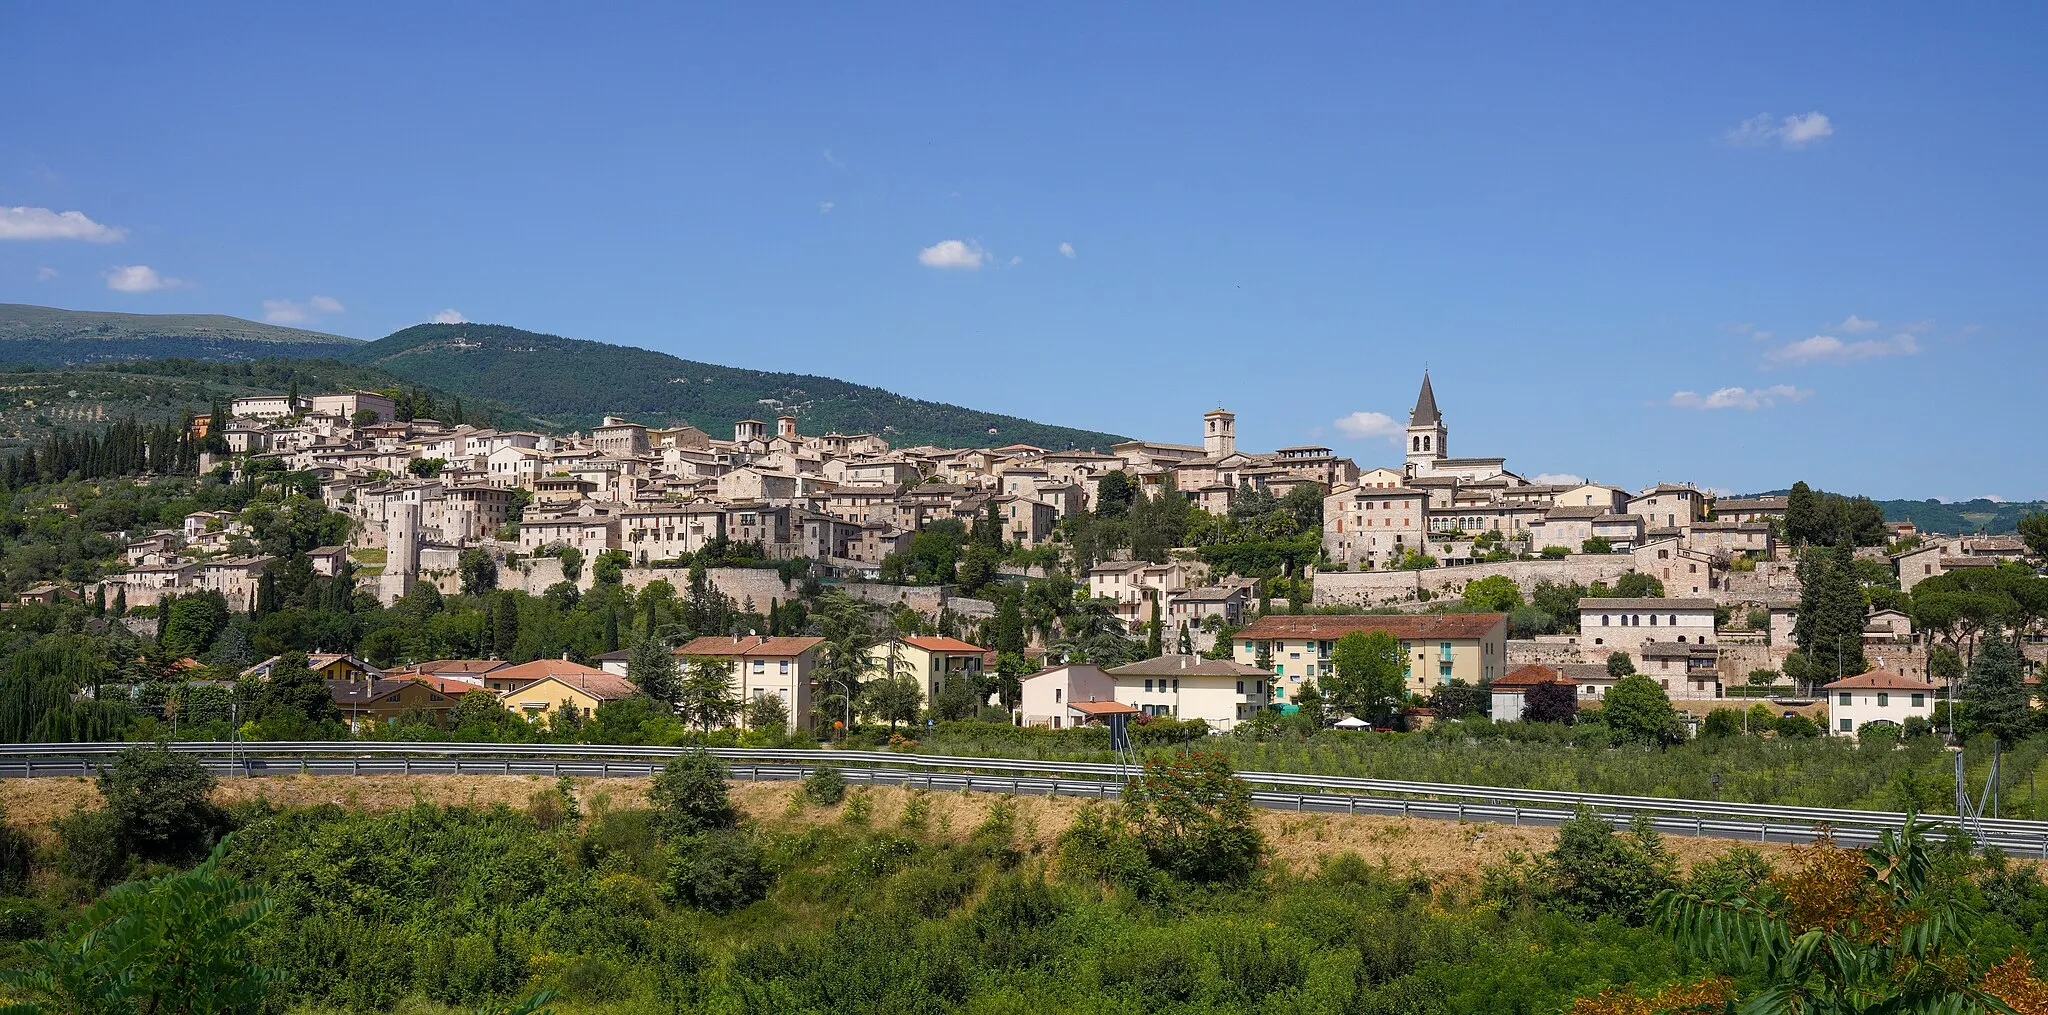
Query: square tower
(1427, 434)
(1219, 432)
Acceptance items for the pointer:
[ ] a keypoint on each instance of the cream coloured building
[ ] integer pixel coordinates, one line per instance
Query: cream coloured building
(1437, 648)
(1878, 696)
(1216, 691)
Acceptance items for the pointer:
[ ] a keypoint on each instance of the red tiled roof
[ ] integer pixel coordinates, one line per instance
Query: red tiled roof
(1883, 680)
(525, 673)
(1411, 627)
(1531, 674)
(748, 645)
(1100, 708)
(456, 666)
(596, 683)
(941, 645)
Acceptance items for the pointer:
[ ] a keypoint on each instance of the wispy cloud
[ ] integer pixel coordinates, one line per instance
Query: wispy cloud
(450, 316)
(23, 223)
(952, 254)
(294, 312)
(46, 274)
(1368, 425)
(1741, 398)
(1829, 349)
(139, 278)
(1557, 479)
(1856, 325)
(833, 160)
(1791, 132)
(1067, 251)
(825, 207)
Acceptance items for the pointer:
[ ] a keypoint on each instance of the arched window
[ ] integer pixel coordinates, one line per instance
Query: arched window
(1674, 620)
(1603, 620)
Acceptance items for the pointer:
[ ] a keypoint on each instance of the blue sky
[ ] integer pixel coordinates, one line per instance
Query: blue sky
(1733, 245)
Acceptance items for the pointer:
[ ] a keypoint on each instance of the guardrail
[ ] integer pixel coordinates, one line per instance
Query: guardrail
(1278, 790)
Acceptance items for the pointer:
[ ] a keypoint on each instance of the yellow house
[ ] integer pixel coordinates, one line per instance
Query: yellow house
(583, 691)
(327, 665)
(1438, 649)
(929, 661)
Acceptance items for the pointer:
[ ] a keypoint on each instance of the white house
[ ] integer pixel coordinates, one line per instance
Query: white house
(1511, 692)
(1049, 692)
(1878, 696)
(1216, 691)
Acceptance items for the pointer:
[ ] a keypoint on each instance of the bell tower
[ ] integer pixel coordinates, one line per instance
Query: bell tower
(1427, 434)
(1219, 432)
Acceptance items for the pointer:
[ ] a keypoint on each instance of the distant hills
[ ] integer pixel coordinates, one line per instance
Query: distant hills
(512, 376)
(1967, 517)
(48, 337)
(574, 383)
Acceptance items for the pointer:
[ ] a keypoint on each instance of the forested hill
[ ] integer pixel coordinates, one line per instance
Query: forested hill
(1962, 517)
(573, 383)
(49, 337)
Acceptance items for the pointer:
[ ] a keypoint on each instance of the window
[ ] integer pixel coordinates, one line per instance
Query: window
(1057, 694)
(1603, 620)
(1653, 620)
(1674, 620)
(1919, 700)
(1443, 670)
(1176, 685)
(1844, 698)
(1240, 687)
(1845, 725)
(785, 667)
(1883, 699)
(1259, 687)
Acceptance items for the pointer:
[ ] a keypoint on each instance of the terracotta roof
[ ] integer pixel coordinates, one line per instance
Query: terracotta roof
(1102, 708)
(540, 668)
(1185, 666)
(596, 683)
(1531, 674)
(749, 645)
(1412, 627)
(942, 645)
(1653, 605)
(457, 666)
(1883, 680)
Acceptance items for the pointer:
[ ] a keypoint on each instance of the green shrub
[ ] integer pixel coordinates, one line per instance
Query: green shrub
(689, 797)
(824, 786)
(720, 871)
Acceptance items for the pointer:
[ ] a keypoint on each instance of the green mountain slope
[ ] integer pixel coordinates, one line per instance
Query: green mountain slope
(573, 383)
(35, 401)
(49, 337)
(1963, 517)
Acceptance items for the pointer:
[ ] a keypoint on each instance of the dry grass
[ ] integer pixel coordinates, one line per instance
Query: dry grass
(1442, 849)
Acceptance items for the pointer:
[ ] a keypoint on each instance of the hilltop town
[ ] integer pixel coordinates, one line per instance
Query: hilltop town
(1568, 584)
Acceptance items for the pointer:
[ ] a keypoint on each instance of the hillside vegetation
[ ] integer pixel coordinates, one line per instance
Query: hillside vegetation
(50, 337)
(574, 383)
(36, 401)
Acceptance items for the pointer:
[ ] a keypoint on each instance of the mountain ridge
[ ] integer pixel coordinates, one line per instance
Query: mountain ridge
(55, 337)
(575, 382)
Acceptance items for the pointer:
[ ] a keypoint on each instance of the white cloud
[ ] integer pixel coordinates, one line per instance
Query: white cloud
(43, 224)
(1856, 325)
(1016, 259)
(1067, 251)
(1792, 132)
(138, 278)
(825, 207)
(45, 274)
(1799, 131)
(1363, 425)
(833, 160)
(1557, 479)
(958, 254)
(450, 316)
(293, 312)
(1829, 349)
(1741, 398)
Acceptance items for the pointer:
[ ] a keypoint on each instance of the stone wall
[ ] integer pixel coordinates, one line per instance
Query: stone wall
(1393, 588)
(1547, 651)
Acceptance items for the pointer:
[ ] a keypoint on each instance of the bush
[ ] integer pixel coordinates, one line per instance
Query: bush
(1194, 817)
(720, 871)
(159, 803)
(1594, 872)
(824, 786)
(689, 797)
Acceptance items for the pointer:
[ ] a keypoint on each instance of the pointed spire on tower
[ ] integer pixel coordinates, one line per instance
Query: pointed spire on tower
(1425, 413)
